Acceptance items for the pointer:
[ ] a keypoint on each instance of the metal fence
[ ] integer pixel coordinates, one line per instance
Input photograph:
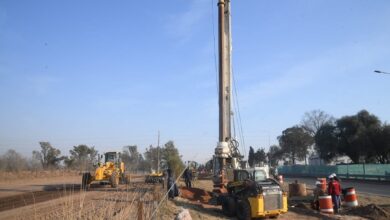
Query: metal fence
(347, 171)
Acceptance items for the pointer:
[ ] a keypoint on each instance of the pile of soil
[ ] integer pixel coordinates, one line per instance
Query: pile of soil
(195, 194)
(370, 211)
(303, 206)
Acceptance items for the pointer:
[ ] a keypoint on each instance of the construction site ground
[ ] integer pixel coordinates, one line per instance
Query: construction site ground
(60, 196)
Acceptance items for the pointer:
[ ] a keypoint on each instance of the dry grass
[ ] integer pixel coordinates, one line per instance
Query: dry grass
(99, 202)
(8, 177)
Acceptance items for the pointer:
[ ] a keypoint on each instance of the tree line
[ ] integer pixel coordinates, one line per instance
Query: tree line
(363, 137)
(83, 157)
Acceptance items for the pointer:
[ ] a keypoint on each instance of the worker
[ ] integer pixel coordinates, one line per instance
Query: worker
(188, 177)
(334, 189)
(173, 191)
(317, 192)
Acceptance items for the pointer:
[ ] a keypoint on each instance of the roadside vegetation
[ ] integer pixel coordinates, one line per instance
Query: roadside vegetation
(83, 157)
(363, 137)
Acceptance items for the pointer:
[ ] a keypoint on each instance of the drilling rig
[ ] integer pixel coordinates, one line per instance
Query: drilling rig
(226, 156)
(243, 192)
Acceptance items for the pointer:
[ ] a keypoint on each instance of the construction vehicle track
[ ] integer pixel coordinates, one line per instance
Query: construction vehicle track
(33, 197)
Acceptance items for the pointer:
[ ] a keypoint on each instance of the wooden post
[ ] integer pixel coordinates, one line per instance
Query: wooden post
(155, 207)
(140, 212)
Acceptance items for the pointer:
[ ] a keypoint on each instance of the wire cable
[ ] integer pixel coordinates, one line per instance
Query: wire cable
(214, 45)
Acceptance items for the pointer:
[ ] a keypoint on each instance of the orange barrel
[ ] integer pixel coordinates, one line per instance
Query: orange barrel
(350, 197)
(280, 179)
(323, 183)
(326, 205)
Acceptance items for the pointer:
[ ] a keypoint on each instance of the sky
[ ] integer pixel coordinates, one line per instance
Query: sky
(114, 73)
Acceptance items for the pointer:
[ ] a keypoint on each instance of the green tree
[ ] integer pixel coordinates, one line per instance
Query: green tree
(151, 156)
(49, 156)
(260, 156)
(380, 138)
(251, 156)
(170, 154)
(356, 135)
(275, 154)
(326, 142)
(82, 157)
(294, 142)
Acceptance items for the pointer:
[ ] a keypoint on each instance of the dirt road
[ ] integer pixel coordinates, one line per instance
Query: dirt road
(62, 198)
(68, 201)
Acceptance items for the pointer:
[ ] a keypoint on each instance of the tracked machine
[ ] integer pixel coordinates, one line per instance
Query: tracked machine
(155, 177)
(243, 192)
(111, 171)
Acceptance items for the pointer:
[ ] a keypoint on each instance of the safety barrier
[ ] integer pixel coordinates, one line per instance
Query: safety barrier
(350, 198)
(323, 183)
(379, 172)
(326, 205)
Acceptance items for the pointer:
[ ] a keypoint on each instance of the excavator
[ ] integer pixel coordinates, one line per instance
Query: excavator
(243, 192)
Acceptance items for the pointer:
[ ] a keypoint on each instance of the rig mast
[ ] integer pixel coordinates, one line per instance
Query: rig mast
(226, 153)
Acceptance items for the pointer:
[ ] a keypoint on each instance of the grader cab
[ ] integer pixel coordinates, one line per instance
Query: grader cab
(112, 170)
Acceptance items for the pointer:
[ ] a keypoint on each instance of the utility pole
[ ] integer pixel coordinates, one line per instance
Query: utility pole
(158, 152)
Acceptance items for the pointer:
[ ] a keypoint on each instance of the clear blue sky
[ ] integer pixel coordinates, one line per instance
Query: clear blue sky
(113, 73)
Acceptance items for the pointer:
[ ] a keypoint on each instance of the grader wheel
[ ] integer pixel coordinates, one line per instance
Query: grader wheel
(114, 180)
(85, 181)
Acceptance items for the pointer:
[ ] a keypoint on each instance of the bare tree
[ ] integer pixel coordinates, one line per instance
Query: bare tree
(312, 121)
(49, 156)
(12, 161)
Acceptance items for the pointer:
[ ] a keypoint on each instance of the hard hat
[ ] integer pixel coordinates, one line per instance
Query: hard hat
(318, 183)
(331, 176)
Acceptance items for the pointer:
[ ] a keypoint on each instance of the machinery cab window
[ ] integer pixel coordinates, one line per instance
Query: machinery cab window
(260, 175)
(110, 157)
(241, 175)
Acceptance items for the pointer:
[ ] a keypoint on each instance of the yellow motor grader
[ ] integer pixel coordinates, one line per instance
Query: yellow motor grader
(111, 171)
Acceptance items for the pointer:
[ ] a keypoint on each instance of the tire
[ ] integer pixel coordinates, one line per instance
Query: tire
(229, 206)
(123, 179)
(114, 180)
(85, 181)
(243, 210)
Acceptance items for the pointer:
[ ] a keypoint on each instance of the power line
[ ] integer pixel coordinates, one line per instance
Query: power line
(215, 53)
